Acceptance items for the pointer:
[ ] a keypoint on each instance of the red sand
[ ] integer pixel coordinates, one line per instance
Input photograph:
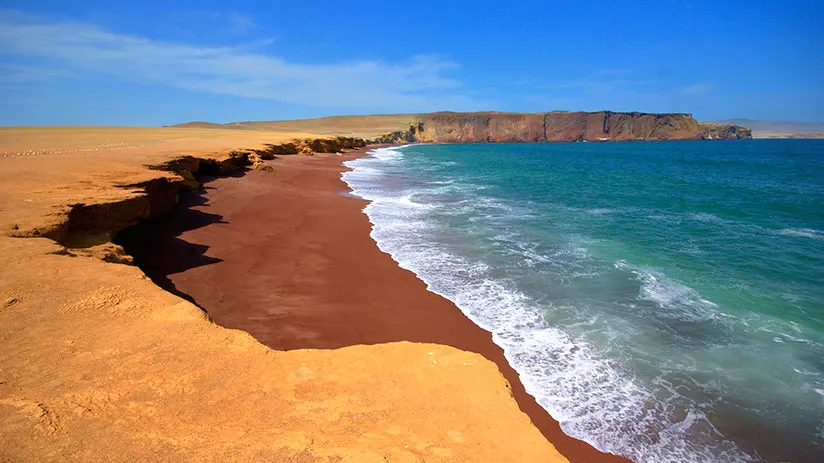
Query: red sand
(288, 258)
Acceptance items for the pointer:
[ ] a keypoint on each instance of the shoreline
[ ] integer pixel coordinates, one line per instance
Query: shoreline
(287, 258)
(99, 362)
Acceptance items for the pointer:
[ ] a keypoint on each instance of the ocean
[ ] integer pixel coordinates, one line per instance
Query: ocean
(663, 301)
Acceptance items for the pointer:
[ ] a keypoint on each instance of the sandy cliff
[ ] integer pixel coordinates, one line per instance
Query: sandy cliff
(448, 127)
(80, 188)
(97, 363)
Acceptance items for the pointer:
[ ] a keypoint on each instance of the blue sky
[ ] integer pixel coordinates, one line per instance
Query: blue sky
(164, 62)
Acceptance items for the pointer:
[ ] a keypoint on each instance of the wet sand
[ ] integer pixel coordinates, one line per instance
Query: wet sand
(287, 257)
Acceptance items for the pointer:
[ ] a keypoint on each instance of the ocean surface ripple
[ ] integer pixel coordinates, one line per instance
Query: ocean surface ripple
(663, 301)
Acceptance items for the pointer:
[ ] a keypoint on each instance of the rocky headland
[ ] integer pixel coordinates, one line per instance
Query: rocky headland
(561, 126)
(492, 127)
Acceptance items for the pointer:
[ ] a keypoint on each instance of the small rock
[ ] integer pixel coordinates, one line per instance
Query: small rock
(262, 166)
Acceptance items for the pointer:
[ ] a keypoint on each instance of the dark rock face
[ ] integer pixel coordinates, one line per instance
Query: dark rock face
(448, 127)
(333, 145)
(712, 131)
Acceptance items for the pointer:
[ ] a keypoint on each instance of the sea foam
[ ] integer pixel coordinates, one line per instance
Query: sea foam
(802, 232)
(588, 394)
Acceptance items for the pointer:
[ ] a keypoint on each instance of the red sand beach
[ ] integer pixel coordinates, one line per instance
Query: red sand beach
(288, 258)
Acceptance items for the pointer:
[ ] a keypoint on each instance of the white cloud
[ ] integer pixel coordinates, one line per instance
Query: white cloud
(697, 88)
(417, 84)
(18, 73)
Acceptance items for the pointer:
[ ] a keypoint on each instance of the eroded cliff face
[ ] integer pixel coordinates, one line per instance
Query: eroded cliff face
(86, 225)
(713, 131)
(493, 127)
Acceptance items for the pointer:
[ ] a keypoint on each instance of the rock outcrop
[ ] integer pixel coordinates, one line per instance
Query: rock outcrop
(495, 127)
(84, 225)
(715, 131)
(310, 145)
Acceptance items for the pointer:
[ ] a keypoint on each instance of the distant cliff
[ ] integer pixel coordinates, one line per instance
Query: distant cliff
(493, 127)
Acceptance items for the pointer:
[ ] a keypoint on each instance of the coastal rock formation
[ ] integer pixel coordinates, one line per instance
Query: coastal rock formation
(334, 145)
(493, 127)
(310, 145)
(94, 222)
(715, 131)
(97, 363)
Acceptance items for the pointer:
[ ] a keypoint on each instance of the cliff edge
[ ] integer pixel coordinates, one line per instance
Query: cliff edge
(495, 127)
(97, 363)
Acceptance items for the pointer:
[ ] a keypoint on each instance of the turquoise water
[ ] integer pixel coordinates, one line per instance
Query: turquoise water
(663, 300)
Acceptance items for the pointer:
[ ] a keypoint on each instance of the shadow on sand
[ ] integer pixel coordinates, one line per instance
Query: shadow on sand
(157, 249)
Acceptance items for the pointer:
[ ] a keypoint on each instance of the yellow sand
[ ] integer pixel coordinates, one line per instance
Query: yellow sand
(99, 364)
